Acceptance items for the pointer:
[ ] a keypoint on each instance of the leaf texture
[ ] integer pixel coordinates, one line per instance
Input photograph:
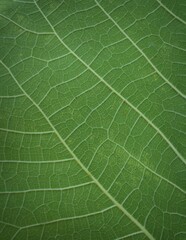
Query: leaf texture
(92, 119)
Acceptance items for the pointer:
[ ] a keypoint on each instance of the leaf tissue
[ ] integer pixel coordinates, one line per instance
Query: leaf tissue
(92, 120)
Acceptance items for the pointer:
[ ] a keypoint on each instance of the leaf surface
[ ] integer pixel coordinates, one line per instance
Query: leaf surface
(92, 121)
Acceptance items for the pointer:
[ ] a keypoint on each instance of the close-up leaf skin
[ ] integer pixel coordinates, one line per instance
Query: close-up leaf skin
(92, 120)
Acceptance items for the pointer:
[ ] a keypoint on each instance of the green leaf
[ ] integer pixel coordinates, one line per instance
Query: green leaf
(92, 120)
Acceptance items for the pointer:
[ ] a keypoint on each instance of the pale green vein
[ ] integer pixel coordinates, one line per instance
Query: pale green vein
(9, 224)
(169, 11)
(176, 213)
(27, 2)
(129, 235)
(36, 162)
(13, 96)
(47, 189)
(69, 218)
(25, 29)
(136, 46)
(60, 220)
(25, 132)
